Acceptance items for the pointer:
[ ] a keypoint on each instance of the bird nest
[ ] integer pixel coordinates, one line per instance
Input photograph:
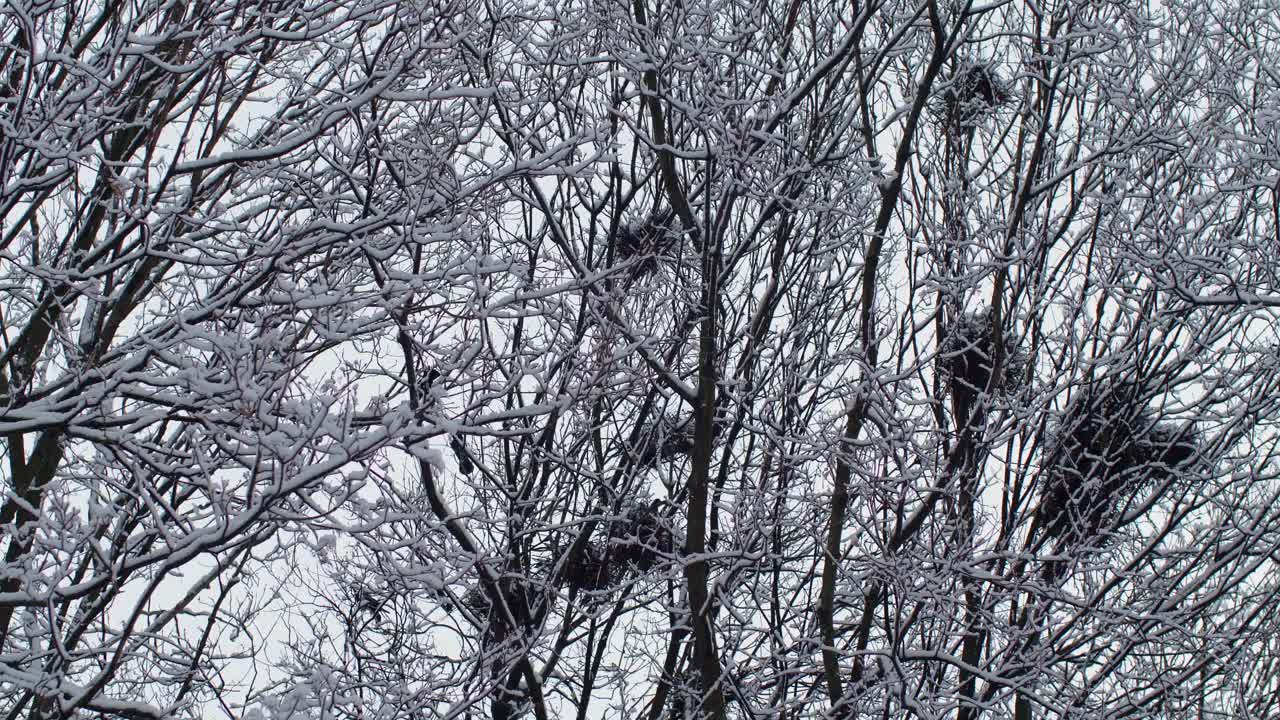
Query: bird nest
(968, 361)
(520, 598)
(1109, 455)
(973, 92)
(592, 570)
(638, 541)
(641, 537)
(645, 241)
(670, 437)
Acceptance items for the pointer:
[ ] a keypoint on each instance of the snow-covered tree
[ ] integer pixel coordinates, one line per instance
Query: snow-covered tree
(629, 359)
